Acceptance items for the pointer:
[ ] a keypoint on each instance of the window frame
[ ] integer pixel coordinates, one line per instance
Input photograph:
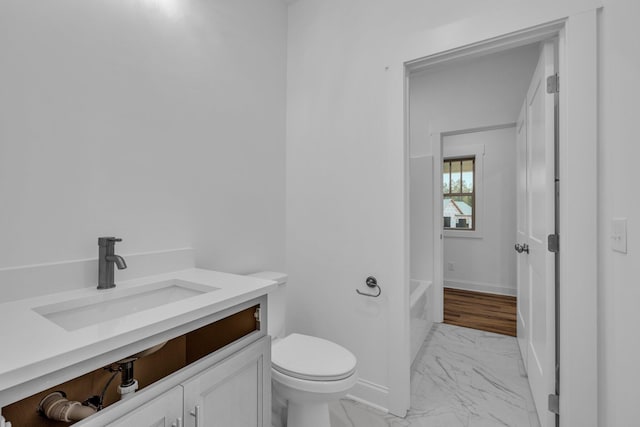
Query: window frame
(451, 195)
(477, 151)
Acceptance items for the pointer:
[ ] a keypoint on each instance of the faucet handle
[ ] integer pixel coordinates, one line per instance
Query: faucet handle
(107, 241)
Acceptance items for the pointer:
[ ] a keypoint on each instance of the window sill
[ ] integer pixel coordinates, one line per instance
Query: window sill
(475, 234)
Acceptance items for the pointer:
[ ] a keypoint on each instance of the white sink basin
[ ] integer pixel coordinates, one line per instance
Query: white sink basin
(114, 303)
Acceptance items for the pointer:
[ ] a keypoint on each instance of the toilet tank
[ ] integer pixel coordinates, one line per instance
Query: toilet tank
(276, 303)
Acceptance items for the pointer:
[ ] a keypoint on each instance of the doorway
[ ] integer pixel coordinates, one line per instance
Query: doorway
(477, 102)
(576, 24)
(479, 193)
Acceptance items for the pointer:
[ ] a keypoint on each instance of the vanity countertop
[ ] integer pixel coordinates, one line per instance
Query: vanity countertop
(32, 346)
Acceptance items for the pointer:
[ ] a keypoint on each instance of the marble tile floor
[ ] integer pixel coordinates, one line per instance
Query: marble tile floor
(461, 378)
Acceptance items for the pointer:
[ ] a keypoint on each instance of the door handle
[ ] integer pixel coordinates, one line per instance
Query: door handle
(177, 423)
(196, 414)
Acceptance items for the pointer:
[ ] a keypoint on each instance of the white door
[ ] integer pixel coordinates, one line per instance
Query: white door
(540, 223)
(522, 266)
(231, 393)
(163, 411)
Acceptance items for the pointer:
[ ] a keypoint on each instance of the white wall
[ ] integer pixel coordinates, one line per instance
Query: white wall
(337, 111)
(485, 91)
(619, 293)
(158, 121)
(487, 263)
(345, 198)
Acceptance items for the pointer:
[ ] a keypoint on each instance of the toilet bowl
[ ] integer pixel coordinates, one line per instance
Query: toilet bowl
(307, 373)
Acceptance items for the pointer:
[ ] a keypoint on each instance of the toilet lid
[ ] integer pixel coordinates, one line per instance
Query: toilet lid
(312, 358)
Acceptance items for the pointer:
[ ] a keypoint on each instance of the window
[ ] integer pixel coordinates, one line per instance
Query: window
(458, 193)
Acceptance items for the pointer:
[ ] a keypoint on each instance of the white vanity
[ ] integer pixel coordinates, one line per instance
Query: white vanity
(215, 366)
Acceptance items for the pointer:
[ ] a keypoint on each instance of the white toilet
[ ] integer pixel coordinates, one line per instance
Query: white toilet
(306, 372)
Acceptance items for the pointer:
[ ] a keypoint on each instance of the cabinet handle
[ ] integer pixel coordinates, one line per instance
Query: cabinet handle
(196, 414)
(178, 422)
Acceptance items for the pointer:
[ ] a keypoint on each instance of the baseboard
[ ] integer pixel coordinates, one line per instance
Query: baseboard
(40, 279)
(480, 287)
(371, 394)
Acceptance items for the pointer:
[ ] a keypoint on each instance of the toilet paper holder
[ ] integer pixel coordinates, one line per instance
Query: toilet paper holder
(371, 282)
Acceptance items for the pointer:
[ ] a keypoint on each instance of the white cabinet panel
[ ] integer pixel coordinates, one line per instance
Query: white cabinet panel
(231, 393)
(163, 411)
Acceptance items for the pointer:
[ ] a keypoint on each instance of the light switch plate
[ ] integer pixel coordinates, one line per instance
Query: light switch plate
(619, 235)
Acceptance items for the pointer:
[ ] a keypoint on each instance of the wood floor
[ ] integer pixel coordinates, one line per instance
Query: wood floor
(487, 312)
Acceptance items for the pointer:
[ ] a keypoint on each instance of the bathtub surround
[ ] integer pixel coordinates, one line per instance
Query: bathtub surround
(462, 378)
(421, 217)
(421, 295)
(421, 314)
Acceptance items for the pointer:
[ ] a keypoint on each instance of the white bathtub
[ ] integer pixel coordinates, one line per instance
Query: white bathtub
(421, 315)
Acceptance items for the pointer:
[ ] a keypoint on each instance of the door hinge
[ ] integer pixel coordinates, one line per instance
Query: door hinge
(554, 404)
(258, 314)
(553, 243)
(553, 83)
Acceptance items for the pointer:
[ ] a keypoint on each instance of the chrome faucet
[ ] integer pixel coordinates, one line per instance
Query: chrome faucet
(106, 260)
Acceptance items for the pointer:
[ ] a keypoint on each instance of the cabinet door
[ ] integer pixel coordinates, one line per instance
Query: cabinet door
(233, 393)
(163, 411)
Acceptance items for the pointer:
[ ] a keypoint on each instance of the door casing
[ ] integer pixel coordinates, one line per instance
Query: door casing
(575, 25)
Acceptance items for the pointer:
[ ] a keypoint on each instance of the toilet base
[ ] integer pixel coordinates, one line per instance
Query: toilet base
(305, 402)
(308, 415)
